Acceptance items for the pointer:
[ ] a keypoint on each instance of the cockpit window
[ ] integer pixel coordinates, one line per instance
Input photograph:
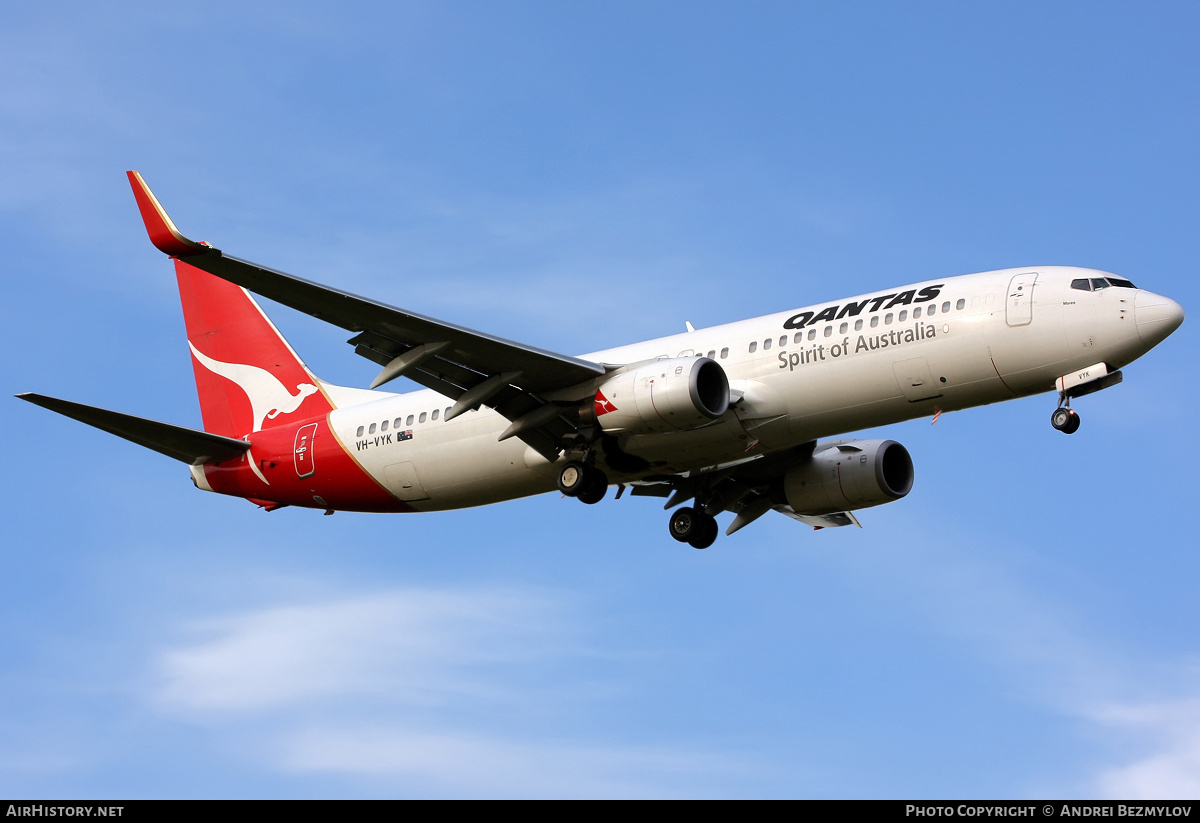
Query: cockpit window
(1097, 283)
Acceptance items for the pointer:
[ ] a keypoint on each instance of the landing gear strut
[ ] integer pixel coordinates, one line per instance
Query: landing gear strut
(587, 483)
(1065, 419)
(694, 527)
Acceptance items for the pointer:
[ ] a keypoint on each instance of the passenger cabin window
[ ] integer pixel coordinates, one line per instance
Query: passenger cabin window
(434, 416)
(875, 321)
(396, 423)
(903, 316)
(843, 328)
(887, 319)
(961, 304)
(932, 309)
(946, 306)
(724, 352)
(383, 426)
(359, 433)
(799, 336)
(448, 408)
(917, 313)
(372, 429)
(766, 344)
(783, 340)
(858, 324)
(828, 331)
(409, 421)
(812, 334)
(421, 419)
(753, 346)
(711, 354)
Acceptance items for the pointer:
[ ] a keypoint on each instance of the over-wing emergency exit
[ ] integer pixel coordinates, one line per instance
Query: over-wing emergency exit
(730, 418)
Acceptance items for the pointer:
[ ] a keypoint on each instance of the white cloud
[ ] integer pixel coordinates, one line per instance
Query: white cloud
(421, 691)
(1172, 768)
(446, 761)
(1055, 658)
(407, 647)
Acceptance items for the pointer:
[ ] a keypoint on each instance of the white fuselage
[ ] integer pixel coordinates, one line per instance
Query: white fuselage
(801, 375)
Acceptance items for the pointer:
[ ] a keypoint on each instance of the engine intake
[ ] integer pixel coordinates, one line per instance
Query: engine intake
(673, 394)
(849, 475)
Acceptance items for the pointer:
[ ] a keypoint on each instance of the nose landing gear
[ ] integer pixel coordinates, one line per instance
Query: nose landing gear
(1065, 419)
(1077, 384)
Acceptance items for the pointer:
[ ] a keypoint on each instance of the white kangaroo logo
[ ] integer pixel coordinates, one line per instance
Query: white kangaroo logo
(268, 397)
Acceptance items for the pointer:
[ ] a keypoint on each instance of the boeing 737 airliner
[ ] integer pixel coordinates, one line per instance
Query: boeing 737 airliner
(726, 419)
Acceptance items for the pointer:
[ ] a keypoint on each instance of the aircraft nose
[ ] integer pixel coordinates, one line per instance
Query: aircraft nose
(1157, 316)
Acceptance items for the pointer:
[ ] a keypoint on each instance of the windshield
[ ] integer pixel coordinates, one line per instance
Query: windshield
(1098, 283)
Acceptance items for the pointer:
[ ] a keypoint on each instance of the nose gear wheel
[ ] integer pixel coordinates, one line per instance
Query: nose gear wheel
(1065, 419)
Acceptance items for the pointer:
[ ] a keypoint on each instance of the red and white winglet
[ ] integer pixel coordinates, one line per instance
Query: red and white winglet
(159, 226)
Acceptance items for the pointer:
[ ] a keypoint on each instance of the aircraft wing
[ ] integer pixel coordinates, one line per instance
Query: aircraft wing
(744, 487)
(821, 521)
(188, 445)
(468, 366)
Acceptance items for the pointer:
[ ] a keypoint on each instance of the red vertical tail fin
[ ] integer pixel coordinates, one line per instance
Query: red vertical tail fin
(247, 375)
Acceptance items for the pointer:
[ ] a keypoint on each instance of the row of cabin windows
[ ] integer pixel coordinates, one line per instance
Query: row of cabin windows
(712, 354)
(812, 335)
(929, 311)
(401, 421)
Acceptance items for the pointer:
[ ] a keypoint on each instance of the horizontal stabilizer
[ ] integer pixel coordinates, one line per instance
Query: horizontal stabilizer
(188, 445)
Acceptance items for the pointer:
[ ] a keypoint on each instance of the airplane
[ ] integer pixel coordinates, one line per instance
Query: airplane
(726, 419)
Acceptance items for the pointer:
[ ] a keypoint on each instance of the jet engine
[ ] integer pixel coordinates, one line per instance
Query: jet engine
(672, 394)
(847, 475)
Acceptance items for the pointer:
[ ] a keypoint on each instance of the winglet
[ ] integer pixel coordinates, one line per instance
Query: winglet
(159, 226)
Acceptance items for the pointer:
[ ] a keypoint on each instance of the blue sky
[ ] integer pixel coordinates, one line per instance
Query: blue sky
(577, 177)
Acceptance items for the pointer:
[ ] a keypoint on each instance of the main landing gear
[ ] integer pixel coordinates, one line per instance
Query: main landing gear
(694, 527)
(691, 525)
(1065, 419)
(587, 483)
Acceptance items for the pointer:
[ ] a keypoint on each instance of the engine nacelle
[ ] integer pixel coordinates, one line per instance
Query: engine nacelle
(674, 394)
(849, 475)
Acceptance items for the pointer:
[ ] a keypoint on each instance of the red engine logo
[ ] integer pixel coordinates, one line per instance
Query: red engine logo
(603, 405)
